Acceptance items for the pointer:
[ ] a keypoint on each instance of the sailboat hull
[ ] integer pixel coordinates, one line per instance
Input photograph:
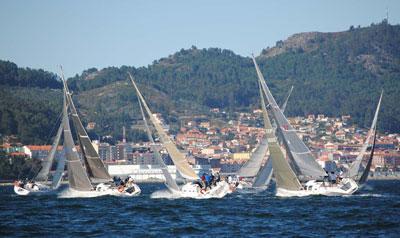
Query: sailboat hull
(191, 190)
(104, 190)
(346, 187)
(29, 190)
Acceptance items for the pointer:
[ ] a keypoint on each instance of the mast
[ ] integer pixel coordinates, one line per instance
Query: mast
(94, 165)
(301, 157)
(179, 159)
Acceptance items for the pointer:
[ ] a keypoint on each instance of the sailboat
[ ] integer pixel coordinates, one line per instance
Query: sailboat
(300, 175)
(191, 189)
(253, 174)
(39, 183)
(92, 178)
(358, 170)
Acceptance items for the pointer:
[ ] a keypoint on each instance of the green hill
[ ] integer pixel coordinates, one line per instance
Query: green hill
(333, 73)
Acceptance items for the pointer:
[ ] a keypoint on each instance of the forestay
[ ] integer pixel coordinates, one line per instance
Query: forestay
(177, 157)
(305, 165)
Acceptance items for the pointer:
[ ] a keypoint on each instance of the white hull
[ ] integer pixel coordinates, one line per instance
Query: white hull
(191, 190)
(28, 190)
(102, 190)
(346, 187)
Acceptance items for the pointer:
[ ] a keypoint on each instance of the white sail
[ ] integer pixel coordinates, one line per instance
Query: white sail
(177, 157)
(356, 169)
(169, 181)
(253, 165)
(264, 176)
(302, 159)
(57, 176)
(43, 174)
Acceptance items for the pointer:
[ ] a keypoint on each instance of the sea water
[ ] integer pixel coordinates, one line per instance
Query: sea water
(373, 212)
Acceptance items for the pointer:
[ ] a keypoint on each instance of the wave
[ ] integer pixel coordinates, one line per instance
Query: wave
(165, 193)
(70, 193)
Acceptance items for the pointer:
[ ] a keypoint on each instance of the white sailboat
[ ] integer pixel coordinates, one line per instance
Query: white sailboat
(253, 174)
(190, 189)
(360, 168)
(40, 182)
(301, 175)
(92, 179)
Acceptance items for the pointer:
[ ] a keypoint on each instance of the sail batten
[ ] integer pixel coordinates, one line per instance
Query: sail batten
(177, 157)
(304, 162)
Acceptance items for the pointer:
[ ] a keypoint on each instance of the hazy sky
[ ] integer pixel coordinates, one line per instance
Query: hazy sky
(84, 34)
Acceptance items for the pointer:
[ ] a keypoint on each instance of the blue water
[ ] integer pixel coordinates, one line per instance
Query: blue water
(371, 213)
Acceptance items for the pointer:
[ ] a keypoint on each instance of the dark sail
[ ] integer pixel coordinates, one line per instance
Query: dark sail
(95, 166)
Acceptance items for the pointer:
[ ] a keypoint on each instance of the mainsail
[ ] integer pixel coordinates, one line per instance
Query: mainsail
(284, 175)
(304, 163)
(356, 169)
(177, 157)
(77, 176)
(95, 166)
(169, 181)
(43, 174)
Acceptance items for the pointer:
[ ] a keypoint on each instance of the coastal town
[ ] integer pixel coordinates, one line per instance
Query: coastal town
(222, 143)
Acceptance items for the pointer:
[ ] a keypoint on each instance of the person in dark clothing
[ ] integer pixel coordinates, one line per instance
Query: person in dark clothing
(213, 182)
(218, 179)
(208, 181)
(203, 181)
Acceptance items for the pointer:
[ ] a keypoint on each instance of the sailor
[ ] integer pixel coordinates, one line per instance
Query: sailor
(229, 179)
(332, 177)
(218, 177)
(203, 180)
(208, 181)
(213, 182)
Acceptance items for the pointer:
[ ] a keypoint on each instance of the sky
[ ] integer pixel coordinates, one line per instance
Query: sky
(97, 33)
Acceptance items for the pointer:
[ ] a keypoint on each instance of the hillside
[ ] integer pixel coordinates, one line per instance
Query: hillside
(30, 102)
(333, 73)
